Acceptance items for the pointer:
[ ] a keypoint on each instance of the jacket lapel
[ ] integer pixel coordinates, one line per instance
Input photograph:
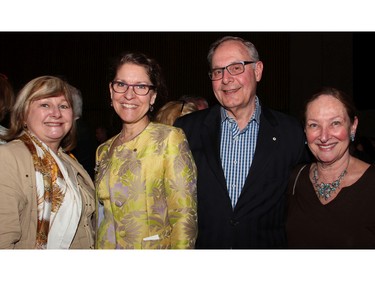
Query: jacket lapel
(211, 143)
(267, 145)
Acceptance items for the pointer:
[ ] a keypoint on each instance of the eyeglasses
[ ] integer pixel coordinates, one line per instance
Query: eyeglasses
(138, 89)
(182, 106)
(233, 69)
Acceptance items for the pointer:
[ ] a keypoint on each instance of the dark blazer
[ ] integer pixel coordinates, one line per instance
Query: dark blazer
(257, 221)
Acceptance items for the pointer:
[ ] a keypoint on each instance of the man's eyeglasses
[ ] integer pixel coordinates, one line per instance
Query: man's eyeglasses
(138, 89)
(233, 69)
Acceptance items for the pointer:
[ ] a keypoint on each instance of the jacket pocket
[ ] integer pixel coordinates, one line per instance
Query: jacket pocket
(160, 240)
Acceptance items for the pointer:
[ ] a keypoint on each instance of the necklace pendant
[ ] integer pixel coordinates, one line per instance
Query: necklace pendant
(324, 190)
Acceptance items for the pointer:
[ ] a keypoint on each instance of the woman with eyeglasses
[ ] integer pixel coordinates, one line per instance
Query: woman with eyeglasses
(145, 175)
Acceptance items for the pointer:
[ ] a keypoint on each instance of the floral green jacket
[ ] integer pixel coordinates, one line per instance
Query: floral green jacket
(146, 192)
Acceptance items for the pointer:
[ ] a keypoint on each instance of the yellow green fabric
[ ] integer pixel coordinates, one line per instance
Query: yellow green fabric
(147, 190)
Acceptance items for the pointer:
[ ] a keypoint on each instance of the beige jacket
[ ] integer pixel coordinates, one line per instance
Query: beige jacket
(18, 207)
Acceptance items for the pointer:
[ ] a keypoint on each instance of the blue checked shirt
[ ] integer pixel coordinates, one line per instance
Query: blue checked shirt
(237, 150)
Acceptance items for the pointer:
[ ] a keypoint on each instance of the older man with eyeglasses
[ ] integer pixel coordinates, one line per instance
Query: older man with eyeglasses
(244, 153)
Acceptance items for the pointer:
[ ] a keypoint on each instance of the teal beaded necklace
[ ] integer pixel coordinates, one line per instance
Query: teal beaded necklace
(324, 190)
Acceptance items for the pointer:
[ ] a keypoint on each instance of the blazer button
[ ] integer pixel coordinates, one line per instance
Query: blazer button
(234, 222)
(119, 203)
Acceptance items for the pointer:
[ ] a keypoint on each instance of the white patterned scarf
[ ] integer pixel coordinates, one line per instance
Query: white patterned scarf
(59, 200)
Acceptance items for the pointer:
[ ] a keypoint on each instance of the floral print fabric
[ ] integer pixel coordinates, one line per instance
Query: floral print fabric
(146, 190)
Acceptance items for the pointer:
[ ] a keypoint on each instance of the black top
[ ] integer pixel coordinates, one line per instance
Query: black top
(347, 222)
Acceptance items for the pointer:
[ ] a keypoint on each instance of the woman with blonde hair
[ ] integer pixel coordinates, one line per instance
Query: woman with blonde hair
(46, 196)
(169, 112)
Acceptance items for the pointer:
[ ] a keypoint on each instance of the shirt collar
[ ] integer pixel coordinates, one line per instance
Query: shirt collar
(255, 116)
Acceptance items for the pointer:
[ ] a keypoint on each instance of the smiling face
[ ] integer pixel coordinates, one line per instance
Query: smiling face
(50, 119)
(130, 107)
(328, 129)
(238, 91)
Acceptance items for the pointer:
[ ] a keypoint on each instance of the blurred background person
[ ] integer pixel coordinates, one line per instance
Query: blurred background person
(200, 102)
(6, 103)
(86, 145)
(169, 112)
(331, 200)
(146, 175)
(101, 134)
(46, 196)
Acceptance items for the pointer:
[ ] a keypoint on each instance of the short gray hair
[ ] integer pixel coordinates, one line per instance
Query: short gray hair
(250, 46)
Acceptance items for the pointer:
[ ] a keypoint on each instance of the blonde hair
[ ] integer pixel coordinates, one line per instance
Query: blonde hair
(169, 112)
(39, 88)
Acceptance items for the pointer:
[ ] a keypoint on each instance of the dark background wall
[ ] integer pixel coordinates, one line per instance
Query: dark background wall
(296, 63)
